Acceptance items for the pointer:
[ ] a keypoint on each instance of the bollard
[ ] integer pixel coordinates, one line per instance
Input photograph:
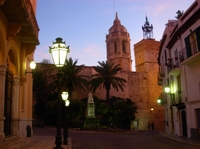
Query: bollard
(28, 129)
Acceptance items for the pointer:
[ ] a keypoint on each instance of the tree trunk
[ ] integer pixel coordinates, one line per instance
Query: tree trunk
(107, 95)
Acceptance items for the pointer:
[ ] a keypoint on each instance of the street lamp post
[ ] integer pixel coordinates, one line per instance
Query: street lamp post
(65, 131)
(59, 52)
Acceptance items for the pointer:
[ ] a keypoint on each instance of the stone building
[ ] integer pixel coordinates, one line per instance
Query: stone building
(142, 86)
(18, 40)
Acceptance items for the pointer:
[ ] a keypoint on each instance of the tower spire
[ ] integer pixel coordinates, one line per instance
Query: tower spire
(116, 21)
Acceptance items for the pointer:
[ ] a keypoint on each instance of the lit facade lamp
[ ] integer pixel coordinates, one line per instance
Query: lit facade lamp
(171, 93)
(167, 89)
(32, 66)
(159, 101)
(151, 109)
(59, 52)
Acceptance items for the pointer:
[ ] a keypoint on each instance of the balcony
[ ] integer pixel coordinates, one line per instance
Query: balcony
(173, 65)
(161, 74)
(191, 55)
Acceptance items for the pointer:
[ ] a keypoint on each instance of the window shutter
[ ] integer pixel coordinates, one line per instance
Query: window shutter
(188, 48)
(198, 37)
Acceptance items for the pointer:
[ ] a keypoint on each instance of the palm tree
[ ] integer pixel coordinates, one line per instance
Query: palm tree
(179, 14)
(72, 77)
(106, 76)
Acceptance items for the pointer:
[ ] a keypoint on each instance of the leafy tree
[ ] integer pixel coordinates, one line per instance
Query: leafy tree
(41, 87)
(46, 61)
(74, 111)
(51, 113)
(41, 82)
(106, 77)
(179, 14)
(121, 112)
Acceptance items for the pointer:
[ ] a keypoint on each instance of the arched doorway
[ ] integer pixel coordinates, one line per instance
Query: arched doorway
(8, 98)
(8, 103)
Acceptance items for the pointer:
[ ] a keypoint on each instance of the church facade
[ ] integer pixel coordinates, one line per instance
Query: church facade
(142, 86)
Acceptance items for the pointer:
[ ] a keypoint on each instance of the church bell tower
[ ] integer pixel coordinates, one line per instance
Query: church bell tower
(146, 51)
(118, 46)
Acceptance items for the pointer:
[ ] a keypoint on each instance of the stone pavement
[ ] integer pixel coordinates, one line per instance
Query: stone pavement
(48, 142)
(37, 142)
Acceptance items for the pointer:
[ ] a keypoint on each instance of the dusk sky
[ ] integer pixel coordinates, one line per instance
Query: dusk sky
(83, 24)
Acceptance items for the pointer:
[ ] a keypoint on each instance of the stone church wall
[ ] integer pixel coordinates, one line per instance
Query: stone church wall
(141, 88)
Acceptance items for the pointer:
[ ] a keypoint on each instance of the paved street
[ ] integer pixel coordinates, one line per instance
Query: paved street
(102, 140)
(139, 140)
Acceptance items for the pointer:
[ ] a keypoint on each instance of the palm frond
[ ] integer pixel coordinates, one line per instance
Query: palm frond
(106, 77)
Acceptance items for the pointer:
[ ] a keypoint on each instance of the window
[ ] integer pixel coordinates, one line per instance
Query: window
(124, 46)
(192, 43)
(115, 44)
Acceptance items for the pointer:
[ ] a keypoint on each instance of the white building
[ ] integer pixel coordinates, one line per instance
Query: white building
(179, 60)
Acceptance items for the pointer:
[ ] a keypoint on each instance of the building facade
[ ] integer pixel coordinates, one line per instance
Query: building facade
(18, 40)
(179, 61)
(142, 86)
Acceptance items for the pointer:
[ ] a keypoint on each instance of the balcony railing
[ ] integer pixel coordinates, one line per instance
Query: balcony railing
(184, 54)
(172, 63)
(161, 74)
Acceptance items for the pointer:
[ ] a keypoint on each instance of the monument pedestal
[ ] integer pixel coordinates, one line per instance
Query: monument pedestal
(91, 110)
(91, 121)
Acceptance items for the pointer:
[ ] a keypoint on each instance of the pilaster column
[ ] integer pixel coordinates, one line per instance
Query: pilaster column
(15, 106)
(2, 97)
(22, 94)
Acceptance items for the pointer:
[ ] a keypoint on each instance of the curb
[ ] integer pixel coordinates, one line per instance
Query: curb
(186, 141)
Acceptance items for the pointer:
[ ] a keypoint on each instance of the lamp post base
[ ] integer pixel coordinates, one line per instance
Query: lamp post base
(58, 143)
(65, 136)
(58, 147)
